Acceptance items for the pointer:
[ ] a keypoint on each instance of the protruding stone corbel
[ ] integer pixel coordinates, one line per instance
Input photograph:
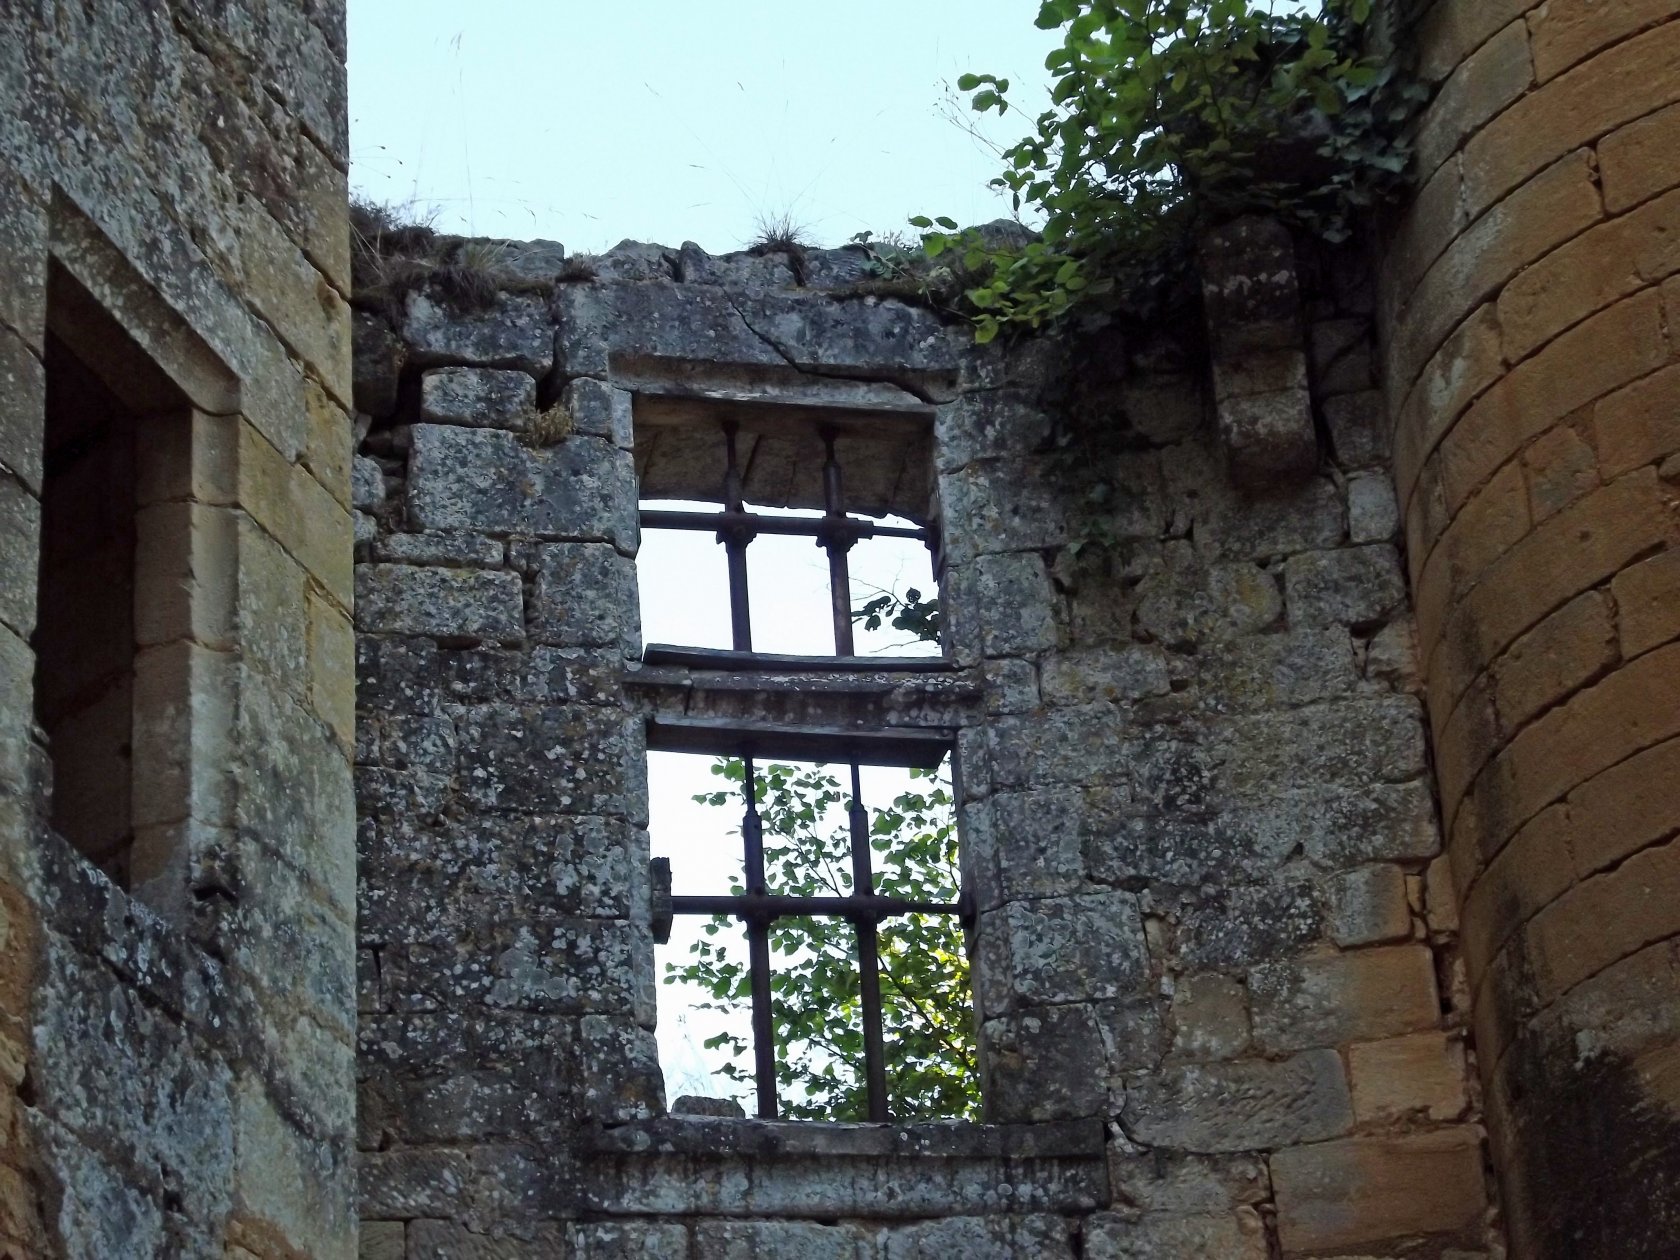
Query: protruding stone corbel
(1252, 301)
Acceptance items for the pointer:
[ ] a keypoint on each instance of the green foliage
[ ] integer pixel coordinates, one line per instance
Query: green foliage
(908, 612)
(926, 1010)
(1170, 116)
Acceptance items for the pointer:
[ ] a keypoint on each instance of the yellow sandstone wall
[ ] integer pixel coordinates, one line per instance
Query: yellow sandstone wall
(1531, 305)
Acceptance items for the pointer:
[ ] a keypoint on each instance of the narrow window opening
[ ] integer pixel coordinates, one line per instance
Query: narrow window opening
(816, 965)
(85, 634)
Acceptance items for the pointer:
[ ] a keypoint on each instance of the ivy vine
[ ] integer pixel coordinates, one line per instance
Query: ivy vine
(1169, 117)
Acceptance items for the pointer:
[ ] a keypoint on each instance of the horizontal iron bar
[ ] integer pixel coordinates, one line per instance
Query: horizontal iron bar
(770, 906)
(799, 526)
(776, 662)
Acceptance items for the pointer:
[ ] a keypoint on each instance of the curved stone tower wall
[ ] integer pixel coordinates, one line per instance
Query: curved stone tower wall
(1529, 300)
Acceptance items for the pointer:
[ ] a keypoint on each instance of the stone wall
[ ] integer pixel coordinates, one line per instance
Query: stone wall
(175, 1036)
(1528, 304)
(1216, 964)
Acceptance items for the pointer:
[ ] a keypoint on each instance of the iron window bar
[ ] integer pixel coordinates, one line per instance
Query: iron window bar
(758, 908)
(836, 531)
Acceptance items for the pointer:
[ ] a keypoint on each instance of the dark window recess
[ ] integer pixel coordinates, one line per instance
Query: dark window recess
(837, 531)
(758, 907)
(84, 631)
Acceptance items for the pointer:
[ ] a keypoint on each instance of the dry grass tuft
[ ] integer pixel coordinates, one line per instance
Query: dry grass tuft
(546, 428)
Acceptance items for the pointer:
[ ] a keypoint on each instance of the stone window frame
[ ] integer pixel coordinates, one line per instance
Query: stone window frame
(187, 405)
(850, 726)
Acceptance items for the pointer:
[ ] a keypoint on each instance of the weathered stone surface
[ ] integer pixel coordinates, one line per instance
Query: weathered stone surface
(1269, 437)
(445, 603)
(517, 332)
(980, 1238)
(1068, 949)
(367, 484)
(1189, 604)
(1369, 905)
(1015, 594)
(456, 549)
(485, 397)
(585, 596)
(1367, 1191)
(1239, 1235)
(1188, 1185)
(1231, 1107)
(485, 480)
(1358, 996)
(377, 363)
(1352, 586)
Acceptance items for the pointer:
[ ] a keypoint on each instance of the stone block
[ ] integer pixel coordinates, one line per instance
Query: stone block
(1210, 1018)
(1349, 745)
(582, 489)
(297, 512)
(1038, 1065)
(367, 484)
(1335, 998)
(446, 548)
(1226, 1108)
(1373, 514)
(1234, 1235)
(1359, 429)
(23, 385)
(585, 596)
(284, 1182)
(332, 668)
(1185, 1185)
(1350, 586)
(1418, 1076)
(1638, 161)
(1368, 905)
(1268, 437)
(796, 1240)
(516, 332)
(999, 1237)
(599, 410)
(1190, 604)
(1125, 673)
(1364, 1192)
(581, 748)
(485, 397)
(20, 551)
(376, 364)
(1250, 289)
(1273, 671)
(1070, 949)
(446, 603)
(1029, 846)
(1648, 603)
(1234, 926)
(1017, 604)
(381, 1240)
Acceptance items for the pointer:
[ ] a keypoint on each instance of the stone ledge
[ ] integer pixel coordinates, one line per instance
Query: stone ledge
(730, 1136)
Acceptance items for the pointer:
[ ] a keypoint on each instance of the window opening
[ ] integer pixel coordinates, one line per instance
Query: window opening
(815, 850)
(85, 633)
(738, 525)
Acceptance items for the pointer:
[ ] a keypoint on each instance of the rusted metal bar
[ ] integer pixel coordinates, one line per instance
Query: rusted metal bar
(735, 534)
(837, 542)
(770, 906)
(795, 526)
(758, 949)
(869, 959)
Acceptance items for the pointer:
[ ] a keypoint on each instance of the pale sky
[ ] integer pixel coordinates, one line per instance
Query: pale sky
(667, 120)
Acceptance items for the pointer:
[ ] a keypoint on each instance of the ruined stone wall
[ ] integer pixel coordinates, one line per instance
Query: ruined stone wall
(1216, 970)
(175, 1035)
(1528, 310)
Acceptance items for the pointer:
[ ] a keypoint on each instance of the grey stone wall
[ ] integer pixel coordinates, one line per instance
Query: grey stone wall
(175, 1055)
(1215, 959)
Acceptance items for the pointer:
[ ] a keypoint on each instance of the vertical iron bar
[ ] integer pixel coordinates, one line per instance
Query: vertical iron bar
(869, 959)
(735, 540)
(837, 542)
(758, 950)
